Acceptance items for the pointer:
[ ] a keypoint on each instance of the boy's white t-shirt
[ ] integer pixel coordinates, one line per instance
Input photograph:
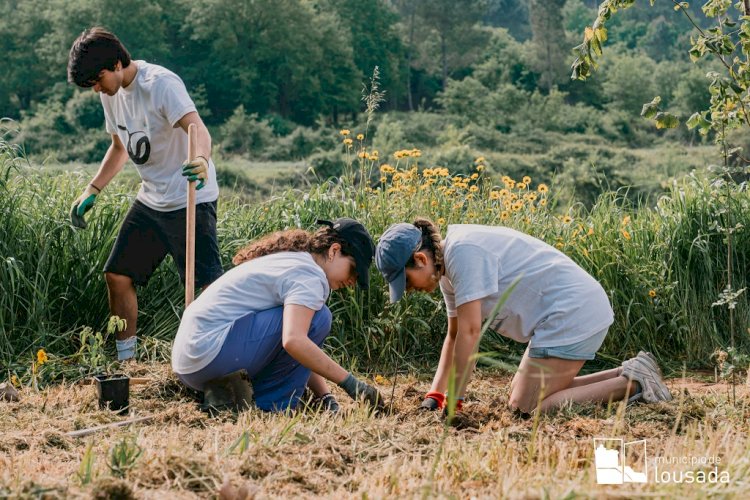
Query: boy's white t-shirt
(555, 303)
(256, 285)
(144, 115)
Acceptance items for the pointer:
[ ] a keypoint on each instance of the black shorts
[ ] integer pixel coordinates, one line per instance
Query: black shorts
(148, 235)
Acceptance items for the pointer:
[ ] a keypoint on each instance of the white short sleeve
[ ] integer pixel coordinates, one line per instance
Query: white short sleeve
(474, 272)
(449, 297)
(174, 101)
(308, 291)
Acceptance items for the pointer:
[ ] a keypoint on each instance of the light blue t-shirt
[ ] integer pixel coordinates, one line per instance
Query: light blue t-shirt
(263, 283)
(555, 303)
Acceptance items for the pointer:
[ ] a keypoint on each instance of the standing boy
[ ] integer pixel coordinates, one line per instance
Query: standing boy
(147, 111)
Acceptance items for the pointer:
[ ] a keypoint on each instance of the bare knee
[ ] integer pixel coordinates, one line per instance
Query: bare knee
(118, 282)
(521, 402)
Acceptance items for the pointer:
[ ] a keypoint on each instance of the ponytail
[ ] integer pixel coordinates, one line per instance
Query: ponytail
(431, 242)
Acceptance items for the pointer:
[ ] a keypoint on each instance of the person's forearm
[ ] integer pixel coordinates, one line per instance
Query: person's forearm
(463, 358)
(440, 381)
(317, 385)
(203, 148)
(111, 165)
(311, 356)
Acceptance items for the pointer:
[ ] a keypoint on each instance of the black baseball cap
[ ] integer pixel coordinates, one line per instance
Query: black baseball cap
(360, 243)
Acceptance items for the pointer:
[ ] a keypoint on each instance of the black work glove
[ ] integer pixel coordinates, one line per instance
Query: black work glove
(356, 389)
(328, 402)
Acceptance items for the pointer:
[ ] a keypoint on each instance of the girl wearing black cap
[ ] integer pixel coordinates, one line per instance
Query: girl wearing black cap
(556, 307)
(268, 316)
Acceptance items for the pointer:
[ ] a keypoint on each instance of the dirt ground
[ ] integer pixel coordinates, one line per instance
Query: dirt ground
(183, 453)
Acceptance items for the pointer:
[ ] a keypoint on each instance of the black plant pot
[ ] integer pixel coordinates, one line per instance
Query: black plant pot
(114, 392)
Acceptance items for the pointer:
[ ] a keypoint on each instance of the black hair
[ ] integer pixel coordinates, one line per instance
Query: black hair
(96, 49)
(431, 240)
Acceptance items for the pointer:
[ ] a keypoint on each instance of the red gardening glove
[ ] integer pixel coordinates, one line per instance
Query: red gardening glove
(433, 401)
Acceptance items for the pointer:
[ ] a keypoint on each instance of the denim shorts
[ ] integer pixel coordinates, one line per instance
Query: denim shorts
(583, 350)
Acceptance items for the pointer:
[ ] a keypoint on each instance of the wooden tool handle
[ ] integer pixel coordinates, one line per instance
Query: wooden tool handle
(113, 425)
(190, 218)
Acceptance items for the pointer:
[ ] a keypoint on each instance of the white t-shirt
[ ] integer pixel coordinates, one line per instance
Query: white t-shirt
(144, 115)
(256, 285)
(555, 303)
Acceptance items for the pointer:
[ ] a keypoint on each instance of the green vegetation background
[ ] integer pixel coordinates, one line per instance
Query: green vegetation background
(276, 80)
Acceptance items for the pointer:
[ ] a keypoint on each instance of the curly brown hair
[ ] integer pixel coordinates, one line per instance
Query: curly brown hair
(431, 240)
(292, 240)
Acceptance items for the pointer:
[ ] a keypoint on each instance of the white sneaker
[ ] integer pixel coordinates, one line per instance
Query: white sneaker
(650, 360)
(645, 371)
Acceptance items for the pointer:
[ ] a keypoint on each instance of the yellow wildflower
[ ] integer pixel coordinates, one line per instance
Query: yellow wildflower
(504, 215)
(480, 168)
(626, 220)
(383, 179)
(530, 196)
(415, 153)
(475, 176)
(348, 142)
(433, 203)
(526, 180)
(510, 184)
(542, 188)
(441, 221)
(559, 245)
(591, 231)
(567, 219)
(363, 154)
(494, 195)
(428, 172)
(521, 185)
(14, 380)
(504, 193)
(517, 206)
(41, 356)
(543, 201)
(473, 189)
(479, 160)
(652, 293)
(345, 132)
(625, 234)
(386, 169)
(379, 379)
(360, 137)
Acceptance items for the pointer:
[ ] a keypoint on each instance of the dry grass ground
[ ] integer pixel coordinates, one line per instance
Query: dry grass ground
(186, 454)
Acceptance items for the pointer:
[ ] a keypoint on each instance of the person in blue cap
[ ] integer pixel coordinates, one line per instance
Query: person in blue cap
(268, 316)
(556, 307)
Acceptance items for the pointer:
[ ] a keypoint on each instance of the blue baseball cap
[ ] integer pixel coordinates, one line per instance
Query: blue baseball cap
(395, 247)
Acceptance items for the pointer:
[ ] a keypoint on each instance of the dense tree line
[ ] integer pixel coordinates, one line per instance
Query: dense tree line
(303, 62)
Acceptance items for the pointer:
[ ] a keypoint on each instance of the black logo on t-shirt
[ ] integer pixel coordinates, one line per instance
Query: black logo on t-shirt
(139, 148)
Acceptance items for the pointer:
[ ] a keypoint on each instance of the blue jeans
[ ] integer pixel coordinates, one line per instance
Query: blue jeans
(254, 343)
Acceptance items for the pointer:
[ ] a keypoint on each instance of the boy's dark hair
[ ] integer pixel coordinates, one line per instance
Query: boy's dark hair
(94, 50)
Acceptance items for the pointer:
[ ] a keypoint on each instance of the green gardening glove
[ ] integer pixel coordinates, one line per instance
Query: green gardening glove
(196, 170)
(83, 204)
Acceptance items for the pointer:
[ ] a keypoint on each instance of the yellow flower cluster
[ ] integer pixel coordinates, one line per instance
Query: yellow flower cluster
(41, 357)
(407, 153)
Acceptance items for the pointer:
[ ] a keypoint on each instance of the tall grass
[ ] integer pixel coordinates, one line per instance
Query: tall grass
(662, 267)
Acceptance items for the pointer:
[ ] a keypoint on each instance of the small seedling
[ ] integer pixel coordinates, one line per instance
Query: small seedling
(123, 455)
